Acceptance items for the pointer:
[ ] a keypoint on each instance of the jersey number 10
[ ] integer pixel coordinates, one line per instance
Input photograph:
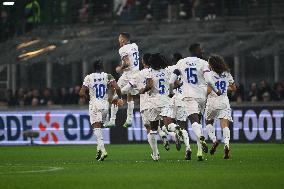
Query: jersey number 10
(100, 90)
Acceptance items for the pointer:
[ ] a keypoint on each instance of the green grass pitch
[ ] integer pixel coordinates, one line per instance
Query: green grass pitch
(130, 166)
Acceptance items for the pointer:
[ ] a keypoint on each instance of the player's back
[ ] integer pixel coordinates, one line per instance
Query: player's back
(222, 82)
(192, 75)
(160, 91)
(97, 86)
(130, 50)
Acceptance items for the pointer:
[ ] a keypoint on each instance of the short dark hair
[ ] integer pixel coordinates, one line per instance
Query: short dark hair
(125, 35)
(158, 61)
(176, 57)
(146, 58)
(217, 64)
(98, 65)
(193, 47)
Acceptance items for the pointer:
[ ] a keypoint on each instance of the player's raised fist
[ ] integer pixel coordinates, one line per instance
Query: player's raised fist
(118, 69)
(119, 102)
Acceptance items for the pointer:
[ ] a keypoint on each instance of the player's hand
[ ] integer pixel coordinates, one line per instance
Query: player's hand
(117, 102)
(171, 95)
(141, 91)
(218, 93)
(120, 102)
(118, 69)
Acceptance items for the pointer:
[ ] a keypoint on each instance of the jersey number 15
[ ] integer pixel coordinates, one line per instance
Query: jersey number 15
(191, 75)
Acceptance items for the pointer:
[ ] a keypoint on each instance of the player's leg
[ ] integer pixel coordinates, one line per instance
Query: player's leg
(172, 127)
(183, 126)
(153, 140)
(211, 133)
(113, 112)
(226, 137)
(164, 138)
(96, 119)
(130, 108)
(101, 151)
(146, 125)
(200, 140)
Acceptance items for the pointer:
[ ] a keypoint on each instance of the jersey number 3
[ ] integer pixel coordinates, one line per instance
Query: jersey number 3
(136, 58)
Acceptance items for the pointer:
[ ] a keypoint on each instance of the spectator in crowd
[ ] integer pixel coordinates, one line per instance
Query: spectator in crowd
(210, 9)
(10, 99)
(266, 97)
(84, 11)
(64, 96)
(74, 99)
(20, 95)
(238, 95)
(47, 97)
(278, 92)
(263, 88)
(28, 97)
(32, 14)
(186, 8)
(253, 93)
(35, 102)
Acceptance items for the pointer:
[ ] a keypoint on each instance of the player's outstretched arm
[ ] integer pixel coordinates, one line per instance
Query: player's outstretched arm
(232, 87)
(148, 87)
(209, 80)
(82, 92)
(173, 82)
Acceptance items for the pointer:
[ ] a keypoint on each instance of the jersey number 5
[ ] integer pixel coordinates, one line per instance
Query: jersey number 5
(191, 75)
(161, 86)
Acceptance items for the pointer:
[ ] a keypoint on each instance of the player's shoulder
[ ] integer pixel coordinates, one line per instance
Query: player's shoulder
(144, 71)
(134, 45)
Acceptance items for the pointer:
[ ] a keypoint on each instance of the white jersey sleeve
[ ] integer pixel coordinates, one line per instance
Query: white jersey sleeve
(230, 78)
(87, 81)
(132, 52)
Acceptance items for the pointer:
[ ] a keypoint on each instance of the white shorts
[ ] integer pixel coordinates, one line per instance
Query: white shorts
(125, 78)
(180, 113)
(158, 113)
(217, 108)
(194, 105)
(98, 112)
(144, 118)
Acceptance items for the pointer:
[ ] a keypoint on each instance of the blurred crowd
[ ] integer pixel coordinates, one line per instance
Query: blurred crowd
(28, 14)
(258, 92)
(46, 97)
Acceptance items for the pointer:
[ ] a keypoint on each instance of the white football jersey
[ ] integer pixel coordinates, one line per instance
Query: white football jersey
(160, 91)
(130, 50)
(97, 84)
(178, 91)
(222, 83)
(192, 76)
(140, 81)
